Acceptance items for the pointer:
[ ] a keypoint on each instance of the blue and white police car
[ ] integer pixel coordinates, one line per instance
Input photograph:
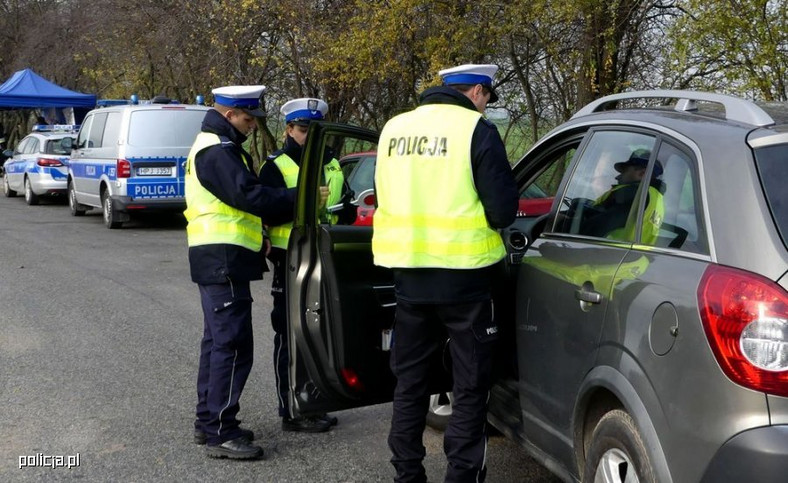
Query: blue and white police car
(131, 159)
(39, 166)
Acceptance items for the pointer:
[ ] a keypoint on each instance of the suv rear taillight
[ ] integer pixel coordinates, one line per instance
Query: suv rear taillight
(124, 169)
(746, 321)
(49, 162)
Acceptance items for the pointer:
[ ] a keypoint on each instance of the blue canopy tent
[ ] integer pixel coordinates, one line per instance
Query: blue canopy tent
(26, 89)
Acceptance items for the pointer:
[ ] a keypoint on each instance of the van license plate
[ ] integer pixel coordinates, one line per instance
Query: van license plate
(154, 171)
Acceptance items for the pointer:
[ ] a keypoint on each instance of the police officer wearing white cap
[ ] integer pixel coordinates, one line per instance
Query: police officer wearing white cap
(442, 245)
(226, 209)
(281, 170)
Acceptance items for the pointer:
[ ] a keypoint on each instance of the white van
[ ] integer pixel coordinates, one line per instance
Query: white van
(131, 159)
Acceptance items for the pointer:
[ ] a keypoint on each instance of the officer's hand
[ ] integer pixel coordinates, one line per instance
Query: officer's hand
(324, 192)
(267, 246)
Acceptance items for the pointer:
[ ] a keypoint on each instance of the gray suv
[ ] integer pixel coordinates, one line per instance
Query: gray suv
(644, 317)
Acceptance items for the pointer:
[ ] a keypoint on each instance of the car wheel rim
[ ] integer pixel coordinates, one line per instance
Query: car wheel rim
(72, 202)
(615, 467)
(28, 190)
(439, 408)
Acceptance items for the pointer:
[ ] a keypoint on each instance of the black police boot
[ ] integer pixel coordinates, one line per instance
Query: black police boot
(303, 424)
(200, 437)
(236, 449)
(332, 420)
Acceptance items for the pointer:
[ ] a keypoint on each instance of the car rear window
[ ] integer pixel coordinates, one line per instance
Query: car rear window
(53, 146)
(165, 127)
(772, 164)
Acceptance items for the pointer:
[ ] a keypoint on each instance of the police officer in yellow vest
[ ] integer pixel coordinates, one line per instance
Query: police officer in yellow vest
(612, 213)
(226, 209)
(281, 170)
(443, 185)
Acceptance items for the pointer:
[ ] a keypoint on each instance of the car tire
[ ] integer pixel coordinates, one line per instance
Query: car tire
(439, 410)
(617, 453)
(30, 197)
(110, 217)
(7, 191)
(77, 209)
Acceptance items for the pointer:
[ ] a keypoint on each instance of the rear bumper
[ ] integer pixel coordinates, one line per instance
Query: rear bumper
(125, 204)
(44, 185)
(759, 454)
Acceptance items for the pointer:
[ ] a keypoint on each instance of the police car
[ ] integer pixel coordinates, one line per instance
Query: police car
(39, 166)
(131, 159)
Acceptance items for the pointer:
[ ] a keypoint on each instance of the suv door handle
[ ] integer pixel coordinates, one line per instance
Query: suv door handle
(587, 294)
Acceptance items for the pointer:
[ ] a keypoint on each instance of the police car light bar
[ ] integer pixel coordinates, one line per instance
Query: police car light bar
(56, 128)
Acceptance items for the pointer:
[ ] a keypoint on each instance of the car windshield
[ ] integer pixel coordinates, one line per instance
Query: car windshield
(53, 146)
(363, 176)
(772, 163)
(165, 127)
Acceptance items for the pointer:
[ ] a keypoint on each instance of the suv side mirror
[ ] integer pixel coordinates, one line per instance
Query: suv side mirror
(67, 144)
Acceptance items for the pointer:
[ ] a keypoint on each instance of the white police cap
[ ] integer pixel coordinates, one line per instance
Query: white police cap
(471, 74)
(302, 111)
(242, 97)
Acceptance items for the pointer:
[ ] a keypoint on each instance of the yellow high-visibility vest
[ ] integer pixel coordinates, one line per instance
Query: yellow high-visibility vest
(652, 217)
(210, 220)
(280, 234)
(429, 213)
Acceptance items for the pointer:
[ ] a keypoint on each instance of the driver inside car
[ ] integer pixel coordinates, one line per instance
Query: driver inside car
(614, 214)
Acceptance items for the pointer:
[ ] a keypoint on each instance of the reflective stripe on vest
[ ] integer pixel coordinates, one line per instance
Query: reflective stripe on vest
(280, 234)
(210, 220)
(429, 213)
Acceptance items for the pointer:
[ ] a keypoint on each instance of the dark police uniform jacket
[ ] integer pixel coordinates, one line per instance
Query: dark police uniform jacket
(221, 171)
(499, 195)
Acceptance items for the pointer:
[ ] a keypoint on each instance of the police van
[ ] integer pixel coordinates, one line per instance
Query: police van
(131, 159)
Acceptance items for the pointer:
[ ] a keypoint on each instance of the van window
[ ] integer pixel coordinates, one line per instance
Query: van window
(97, 130)
(112, 129)
(165, 127)
(82, 139)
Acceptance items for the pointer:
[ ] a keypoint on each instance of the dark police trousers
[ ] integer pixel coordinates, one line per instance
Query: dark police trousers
(416, 337)
(225, 358)
(279, 324)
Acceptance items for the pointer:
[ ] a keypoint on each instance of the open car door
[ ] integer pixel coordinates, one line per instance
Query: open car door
(340, 305)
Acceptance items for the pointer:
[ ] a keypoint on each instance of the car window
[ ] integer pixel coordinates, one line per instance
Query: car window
(348, 166)
(97, 130)
(680, 225)
(54, 146)
(601, 198)
(82, 138)
(165, 128)
(22, 145)
(32, 146)
(363, 177)
(112, 129)
(773, 170)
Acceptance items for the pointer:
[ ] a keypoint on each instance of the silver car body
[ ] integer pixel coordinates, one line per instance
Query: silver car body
(40, 163)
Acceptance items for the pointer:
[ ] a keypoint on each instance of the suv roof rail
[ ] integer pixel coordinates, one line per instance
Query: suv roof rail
(736, 109)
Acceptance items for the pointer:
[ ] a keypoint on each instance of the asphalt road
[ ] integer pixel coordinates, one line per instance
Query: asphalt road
(99, 338)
